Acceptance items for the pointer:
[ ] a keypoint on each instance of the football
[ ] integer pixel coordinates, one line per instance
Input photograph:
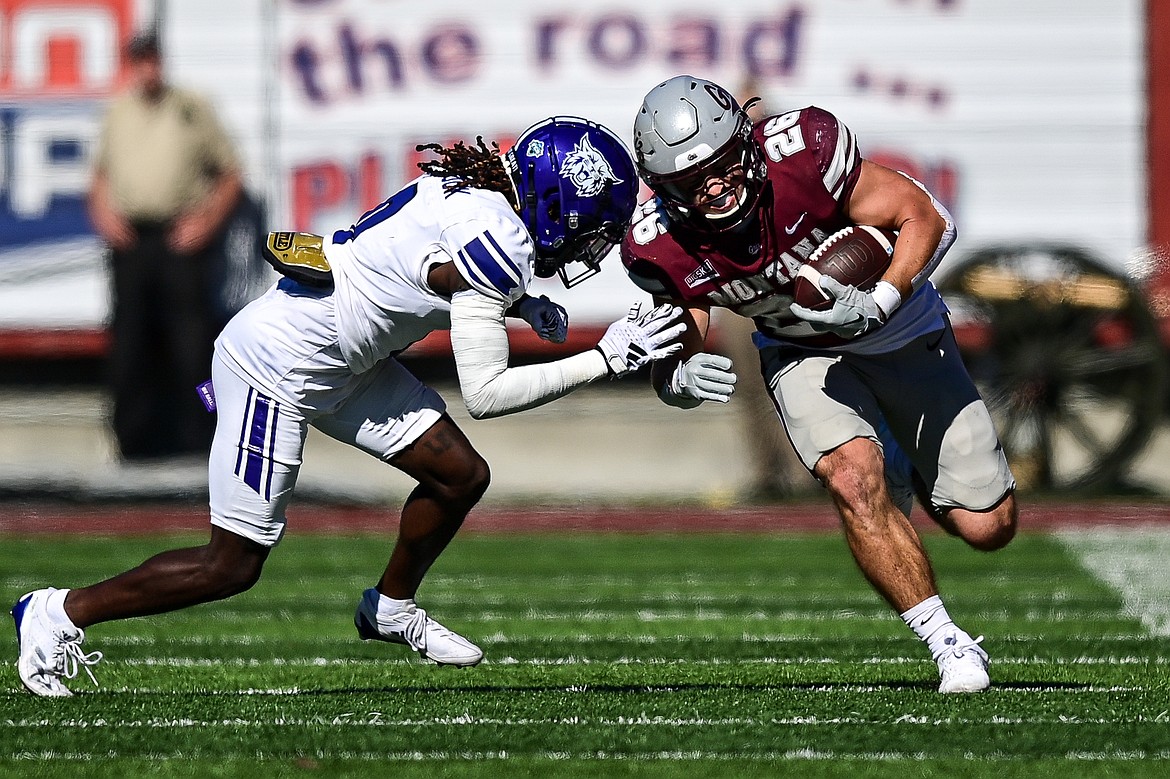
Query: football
(856, 255)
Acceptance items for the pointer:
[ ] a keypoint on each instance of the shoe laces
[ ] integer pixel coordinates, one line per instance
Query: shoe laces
(415, 629)
(959, 647)
(68, 656)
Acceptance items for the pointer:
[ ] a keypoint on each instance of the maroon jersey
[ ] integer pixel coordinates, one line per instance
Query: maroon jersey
(812, 165)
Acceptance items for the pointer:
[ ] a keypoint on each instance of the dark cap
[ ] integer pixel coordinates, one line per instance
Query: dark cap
(143, 45)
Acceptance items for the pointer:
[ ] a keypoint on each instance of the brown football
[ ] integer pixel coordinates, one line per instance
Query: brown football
(856, 255)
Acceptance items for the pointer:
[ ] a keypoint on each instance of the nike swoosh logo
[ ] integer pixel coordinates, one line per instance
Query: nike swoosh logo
(796, 224)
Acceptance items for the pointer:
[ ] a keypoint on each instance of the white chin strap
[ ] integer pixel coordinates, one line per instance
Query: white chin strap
(740, 196)
(724, 216)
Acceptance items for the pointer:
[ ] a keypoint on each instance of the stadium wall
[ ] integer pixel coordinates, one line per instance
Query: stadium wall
(1027, 119)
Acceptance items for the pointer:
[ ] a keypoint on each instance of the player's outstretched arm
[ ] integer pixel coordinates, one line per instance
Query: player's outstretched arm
(694, 376)
(490, 388)
(548, 319)
(640, 338)
(700, 377)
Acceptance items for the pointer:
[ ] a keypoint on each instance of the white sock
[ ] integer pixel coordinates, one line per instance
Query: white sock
(55, 608)
(391, 607)
(930, 622)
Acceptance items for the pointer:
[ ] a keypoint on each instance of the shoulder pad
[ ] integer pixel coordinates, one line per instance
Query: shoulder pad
(647, 276)
(488, 244)
(490, 268)
(299, 256)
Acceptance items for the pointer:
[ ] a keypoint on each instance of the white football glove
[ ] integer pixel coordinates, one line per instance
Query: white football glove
(854, 312)
(548, 320)
(632, 342)
(700, 377)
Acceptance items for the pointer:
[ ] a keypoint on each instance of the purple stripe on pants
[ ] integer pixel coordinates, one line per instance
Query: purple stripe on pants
(253, 469)
(271, 451)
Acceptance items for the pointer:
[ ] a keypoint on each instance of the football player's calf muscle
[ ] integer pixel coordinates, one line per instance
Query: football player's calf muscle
(987, 530)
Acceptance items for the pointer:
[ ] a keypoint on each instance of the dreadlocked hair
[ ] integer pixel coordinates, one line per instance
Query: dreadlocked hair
(462, 166)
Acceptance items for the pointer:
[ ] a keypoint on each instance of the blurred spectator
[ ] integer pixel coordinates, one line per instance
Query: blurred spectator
(166, 180)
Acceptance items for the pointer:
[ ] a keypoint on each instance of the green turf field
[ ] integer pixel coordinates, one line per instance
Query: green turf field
(631, 655)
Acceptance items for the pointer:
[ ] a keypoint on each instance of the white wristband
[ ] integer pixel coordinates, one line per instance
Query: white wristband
(887, 297)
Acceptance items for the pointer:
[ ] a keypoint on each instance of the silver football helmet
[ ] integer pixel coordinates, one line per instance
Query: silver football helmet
(688, 130)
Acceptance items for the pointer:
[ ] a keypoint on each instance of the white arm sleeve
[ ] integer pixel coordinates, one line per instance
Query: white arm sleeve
(479, 340)
(944, 243)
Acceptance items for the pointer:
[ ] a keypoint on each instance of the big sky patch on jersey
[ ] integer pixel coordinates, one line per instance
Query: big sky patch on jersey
(487, 267)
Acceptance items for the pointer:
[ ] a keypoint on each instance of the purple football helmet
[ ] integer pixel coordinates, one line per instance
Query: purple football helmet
(577, 189)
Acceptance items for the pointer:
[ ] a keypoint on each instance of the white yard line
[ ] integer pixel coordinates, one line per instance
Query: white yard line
(1134, 561)
(494, 639)
(323, 662)
(377, 719)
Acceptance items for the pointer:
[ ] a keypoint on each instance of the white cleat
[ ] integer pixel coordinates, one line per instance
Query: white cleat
(48, 650)
(416, 630)
(962, 665)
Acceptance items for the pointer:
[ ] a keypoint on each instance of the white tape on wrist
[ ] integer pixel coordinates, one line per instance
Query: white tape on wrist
(887, 297)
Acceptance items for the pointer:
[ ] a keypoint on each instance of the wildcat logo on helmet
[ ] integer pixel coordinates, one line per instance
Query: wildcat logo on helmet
(535, 148)
(589, 171)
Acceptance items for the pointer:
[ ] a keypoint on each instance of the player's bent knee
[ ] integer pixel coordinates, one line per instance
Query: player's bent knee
(446, 466)
(853, 476)
(990, 530)
(230, 564)
(462, 484)
(474, 483)
(223, 579)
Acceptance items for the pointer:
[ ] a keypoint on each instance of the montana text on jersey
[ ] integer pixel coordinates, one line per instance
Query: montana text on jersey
(812, 163)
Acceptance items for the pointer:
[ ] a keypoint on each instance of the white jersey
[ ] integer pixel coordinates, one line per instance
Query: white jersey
(380, 265)
(308, 347)
(312, 348)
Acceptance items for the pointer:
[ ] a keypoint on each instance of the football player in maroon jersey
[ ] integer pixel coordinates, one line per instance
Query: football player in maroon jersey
(872, 392)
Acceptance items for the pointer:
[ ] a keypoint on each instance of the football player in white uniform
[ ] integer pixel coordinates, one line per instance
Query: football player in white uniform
(455, 248)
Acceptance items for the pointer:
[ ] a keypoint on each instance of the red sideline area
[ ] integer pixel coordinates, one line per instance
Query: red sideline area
(53, 344)
(95, 343)
(31, 519)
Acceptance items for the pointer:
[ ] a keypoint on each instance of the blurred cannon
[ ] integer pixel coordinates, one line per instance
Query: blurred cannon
(1067, 354)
